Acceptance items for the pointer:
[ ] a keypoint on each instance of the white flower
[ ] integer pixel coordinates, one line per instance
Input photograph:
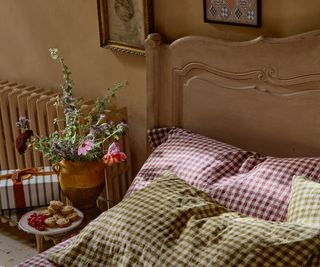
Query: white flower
(53, 53)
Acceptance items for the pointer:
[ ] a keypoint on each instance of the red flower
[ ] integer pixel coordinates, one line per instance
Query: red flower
(114, 155)
(22, 139)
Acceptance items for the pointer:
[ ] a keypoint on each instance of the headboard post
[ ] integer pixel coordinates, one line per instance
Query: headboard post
(152, 46)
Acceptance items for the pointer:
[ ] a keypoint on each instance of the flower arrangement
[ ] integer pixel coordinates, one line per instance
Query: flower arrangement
(84, 135)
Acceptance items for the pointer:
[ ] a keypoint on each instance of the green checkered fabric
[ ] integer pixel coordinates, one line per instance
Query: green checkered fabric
(170, 223)
(304, 204)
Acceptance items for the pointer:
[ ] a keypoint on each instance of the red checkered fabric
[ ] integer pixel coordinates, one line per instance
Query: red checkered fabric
(241, 181)
(264, 191)
(199, 160)
(158, 136)
(41, 260)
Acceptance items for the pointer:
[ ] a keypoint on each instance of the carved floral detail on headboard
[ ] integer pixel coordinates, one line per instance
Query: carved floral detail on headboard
(257, 79)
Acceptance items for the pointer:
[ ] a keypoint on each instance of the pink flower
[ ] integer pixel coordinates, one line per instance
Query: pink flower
(114, 155)
(85, 147)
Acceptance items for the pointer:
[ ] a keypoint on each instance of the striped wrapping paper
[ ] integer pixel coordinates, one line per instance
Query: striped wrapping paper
(39, 190)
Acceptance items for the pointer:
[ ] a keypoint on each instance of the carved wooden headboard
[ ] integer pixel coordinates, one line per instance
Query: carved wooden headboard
(261, 95)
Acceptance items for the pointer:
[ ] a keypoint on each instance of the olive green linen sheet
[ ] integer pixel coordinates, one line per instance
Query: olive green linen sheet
(170, 223)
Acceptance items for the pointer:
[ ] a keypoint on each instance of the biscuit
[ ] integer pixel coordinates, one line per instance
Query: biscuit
(73, 216)
(67, 210)
(57, 205)
(58, 216)
(52, 210)
(50, 222)
(46, 213)
(64, 222)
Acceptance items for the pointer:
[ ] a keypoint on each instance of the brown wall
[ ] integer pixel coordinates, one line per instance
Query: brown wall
(176, 18)
(29, 28)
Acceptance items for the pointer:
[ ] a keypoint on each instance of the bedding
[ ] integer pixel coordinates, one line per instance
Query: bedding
(158, 135)
(304, 204)
(195, 158)
(170, 223)
(264, 191)
(243, 181)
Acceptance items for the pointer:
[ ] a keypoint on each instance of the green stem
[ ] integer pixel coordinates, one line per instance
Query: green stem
(111, 135)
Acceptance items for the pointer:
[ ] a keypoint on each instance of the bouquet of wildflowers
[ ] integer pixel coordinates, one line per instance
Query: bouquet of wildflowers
(84, 135)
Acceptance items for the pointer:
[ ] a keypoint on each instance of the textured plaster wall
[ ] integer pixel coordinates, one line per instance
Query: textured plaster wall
(29, 27)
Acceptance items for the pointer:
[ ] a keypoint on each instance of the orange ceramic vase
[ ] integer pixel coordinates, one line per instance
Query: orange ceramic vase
(81, 181)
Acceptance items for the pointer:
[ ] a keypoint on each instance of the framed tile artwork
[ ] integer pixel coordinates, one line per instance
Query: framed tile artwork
(235, 12)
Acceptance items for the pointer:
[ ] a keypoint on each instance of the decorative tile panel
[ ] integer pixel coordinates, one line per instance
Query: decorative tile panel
(238, 12)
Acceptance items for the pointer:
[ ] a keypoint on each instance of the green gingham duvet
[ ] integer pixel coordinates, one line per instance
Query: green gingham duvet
(170, 223)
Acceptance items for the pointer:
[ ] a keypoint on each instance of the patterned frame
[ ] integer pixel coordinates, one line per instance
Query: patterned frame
(234, 12)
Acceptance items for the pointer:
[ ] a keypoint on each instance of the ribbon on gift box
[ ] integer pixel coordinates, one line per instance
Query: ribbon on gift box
(17, 177)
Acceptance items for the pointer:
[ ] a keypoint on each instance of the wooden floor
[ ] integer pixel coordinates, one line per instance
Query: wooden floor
(15, 246)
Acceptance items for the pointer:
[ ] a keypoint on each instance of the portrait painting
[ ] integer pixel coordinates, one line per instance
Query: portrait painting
(124, 24)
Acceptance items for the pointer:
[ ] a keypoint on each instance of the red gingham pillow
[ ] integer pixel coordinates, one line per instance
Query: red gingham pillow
(241, 181)
(199, 160)
(264, 191)
(157, 136)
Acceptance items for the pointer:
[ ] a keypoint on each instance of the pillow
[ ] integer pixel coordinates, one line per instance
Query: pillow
(169, 223)
(264, 191)
(304, 204)
(246, 182)
(197, 159)
(157, 136)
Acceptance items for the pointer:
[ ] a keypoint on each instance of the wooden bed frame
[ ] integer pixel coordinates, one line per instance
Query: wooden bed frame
(261, 95)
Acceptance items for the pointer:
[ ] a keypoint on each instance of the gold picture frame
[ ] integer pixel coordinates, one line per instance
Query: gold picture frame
(124, 24)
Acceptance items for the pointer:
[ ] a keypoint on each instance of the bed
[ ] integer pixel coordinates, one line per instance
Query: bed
(234, 128)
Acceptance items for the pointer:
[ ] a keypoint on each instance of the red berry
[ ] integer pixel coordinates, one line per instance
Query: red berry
(37, 221)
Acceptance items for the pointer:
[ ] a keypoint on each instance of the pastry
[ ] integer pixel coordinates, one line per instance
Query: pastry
(57, 205)
(50, 222)
(73, 217)
(58, 216)
(52, 210)
(64, 222)
(46, 213)
(67, 210)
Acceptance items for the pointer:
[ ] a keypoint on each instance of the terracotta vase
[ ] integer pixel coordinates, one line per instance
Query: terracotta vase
(81, 181)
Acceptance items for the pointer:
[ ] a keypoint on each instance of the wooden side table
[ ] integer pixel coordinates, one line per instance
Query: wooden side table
(56, 238)
(55, 234)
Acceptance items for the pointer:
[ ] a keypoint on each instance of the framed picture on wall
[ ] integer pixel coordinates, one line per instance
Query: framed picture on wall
(235, 12)
(124, 24)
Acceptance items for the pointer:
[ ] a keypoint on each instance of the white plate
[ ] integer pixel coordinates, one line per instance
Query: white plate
(23, 224)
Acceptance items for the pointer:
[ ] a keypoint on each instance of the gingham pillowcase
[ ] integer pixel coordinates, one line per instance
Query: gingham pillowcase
(242, 181)
(157, 136)
(199, 160)
(264, 191)
(304, 204)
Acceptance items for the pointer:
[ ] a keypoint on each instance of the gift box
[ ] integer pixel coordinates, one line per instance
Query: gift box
(28, 188)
